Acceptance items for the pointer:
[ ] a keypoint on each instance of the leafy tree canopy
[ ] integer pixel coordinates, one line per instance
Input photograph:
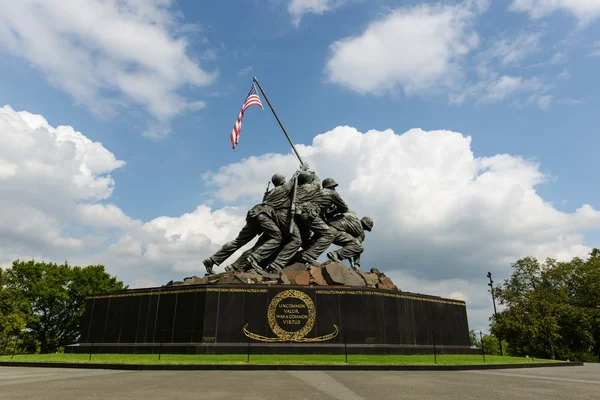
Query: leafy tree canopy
(551, 309)
(13, 309)
(54, 296)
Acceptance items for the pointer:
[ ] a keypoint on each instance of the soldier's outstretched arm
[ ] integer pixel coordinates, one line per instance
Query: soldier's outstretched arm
(340, 204)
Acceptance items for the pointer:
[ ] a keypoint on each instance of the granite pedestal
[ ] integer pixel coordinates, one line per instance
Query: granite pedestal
(272, 319)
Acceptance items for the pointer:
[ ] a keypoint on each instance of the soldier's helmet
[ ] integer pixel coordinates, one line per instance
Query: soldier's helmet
(305, 177)
(329, 183)
(278, 179)
(367, 223)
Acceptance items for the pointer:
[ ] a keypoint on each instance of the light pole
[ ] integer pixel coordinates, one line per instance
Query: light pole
(491, 285)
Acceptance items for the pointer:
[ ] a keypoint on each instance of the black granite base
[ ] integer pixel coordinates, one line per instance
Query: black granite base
(272, 319)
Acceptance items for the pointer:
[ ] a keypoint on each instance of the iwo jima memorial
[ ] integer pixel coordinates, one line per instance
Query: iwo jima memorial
(276, 297)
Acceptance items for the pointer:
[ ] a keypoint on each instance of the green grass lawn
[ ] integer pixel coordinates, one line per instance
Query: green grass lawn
(270, 359)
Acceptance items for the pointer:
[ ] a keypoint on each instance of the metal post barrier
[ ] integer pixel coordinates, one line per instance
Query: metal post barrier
(248, 359)
(482, 351)
(5, 344)
(434, 350)
(15, 346)
(346, 348)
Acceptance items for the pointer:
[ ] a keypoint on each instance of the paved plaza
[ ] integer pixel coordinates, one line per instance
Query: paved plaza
(18, 383)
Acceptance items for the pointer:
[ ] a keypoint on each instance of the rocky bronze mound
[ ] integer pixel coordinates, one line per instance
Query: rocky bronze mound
(329, 273)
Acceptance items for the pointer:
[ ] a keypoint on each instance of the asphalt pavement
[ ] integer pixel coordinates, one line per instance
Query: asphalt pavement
(29, 383)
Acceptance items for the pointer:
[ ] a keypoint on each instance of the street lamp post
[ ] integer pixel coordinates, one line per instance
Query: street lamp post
(491, 285)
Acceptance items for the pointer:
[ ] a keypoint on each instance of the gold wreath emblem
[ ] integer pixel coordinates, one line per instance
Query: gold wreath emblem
(282, 334)
(278, 330)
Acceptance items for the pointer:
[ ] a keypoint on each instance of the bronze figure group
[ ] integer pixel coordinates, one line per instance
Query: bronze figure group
(297, 221)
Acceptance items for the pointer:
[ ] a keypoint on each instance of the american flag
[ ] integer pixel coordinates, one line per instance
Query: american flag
(251, 100)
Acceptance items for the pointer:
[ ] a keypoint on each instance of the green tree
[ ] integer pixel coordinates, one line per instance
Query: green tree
(55, 296)
(12, 313)
(533, 297)
(551, 308)
(580, 323)
(491, 345)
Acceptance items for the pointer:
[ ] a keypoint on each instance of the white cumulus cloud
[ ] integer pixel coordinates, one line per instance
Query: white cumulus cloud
(106, 53)
(49, 177)
(413, 48)
(7, 170)
(177, 245)
(435, 50)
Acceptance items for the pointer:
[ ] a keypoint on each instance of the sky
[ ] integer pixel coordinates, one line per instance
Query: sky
(467, 129)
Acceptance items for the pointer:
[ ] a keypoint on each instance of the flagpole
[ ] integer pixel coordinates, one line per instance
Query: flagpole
(280, 124)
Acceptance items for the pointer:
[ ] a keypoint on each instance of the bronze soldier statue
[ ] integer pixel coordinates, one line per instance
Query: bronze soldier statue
(302, 200)
(259, 221)
(315, 204)
(367, 224)
(285, 217)
(279, 198)
(350, 235)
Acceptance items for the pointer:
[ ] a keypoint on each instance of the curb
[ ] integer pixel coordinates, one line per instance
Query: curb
(285, 367)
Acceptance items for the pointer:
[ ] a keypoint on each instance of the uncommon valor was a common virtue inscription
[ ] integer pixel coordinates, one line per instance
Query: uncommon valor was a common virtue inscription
(291, 315)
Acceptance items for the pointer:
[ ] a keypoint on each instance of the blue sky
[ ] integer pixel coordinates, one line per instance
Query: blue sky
(519, 78)
(289, 61)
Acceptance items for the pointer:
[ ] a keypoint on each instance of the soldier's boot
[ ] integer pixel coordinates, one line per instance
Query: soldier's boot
(274, 267)
(307, 260)
(253, 263)
(332, 255)
(239, 265)
(208, 264)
